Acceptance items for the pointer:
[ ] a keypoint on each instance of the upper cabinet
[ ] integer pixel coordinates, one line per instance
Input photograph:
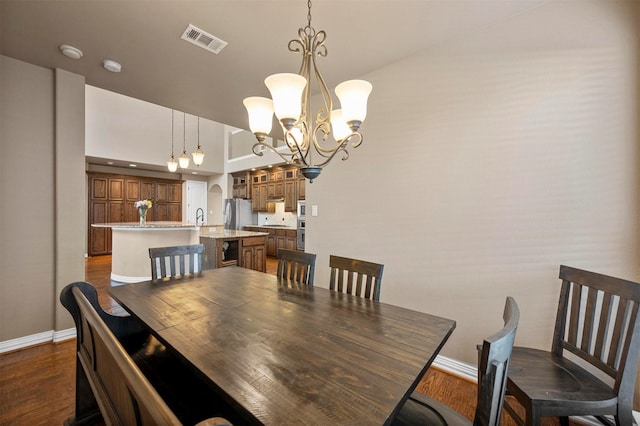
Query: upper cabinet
(270, 184)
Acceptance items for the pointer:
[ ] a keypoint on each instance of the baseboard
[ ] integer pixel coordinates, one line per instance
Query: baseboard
(470, 372)
(36, 339)
(62, 335)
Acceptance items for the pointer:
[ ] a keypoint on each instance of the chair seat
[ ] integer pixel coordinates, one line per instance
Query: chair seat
(556, 383)
(422, 410)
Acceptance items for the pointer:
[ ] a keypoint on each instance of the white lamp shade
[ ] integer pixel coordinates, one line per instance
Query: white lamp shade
(260, 112)
(339, 127)
(198, 157)
(286, 91)
(353, 95)
(172, 165)
(184, 160)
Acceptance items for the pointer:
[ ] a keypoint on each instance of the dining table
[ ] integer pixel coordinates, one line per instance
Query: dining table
(287, 353)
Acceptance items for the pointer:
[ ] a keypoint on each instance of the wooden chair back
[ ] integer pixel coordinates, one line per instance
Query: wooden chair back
(598, 321)
(182, 261)
(493, 367)
(346, 272)
(493, 364)
(598, 325)
(296, 266)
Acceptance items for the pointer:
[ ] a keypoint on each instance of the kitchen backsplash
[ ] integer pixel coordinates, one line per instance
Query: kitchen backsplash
(280, 217)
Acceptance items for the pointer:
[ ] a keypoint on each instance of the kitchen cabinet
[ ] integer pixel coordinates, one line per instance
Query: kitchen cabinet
(240, 185)
(246, 251)
(279, 183)
(259, 188)
(301, 189)
(278, 238)
(111, 200)
(290, 199)
(254, 255)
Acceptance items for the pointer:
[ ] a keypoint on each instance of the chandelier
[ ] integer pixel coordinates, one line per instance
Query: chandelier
(310, 147)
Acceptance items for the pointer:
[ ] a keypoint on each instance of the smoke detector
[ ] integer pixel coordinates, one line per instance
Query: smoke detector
(203, 39)
(70, 51)
(111, 65)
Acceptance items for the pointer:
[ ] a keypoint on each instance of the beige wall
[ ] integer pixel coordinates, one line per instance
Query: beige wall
(70, 187)
(485, 167)
(27, 278)
(42, 214)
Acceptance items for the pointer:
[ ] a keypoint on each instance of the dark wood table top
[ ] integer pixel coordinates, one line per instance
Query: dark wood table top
(291, 354)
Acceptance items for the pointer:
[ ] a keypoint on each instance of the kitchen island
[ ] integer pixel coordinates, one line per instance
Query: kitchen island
(130, 243)
(279, 237)
(224, 247)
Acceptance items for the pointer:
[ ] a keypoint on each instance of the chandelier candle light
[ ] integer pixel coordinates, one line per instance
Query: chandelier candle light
(291, 104)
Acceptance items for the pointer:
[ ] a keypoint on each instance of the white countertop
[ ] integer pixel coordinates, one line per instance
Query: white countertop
(230, 233)
(148, 225)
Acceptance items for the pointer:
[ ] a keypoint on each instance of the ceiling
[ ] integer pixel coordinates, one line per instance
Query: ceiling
(159, 67)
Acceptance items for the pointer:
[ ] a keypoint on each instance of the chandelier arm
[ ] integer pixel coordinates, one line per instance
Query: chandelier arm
(289, 160)
(300, 146)
(326, 152)
(341, 148)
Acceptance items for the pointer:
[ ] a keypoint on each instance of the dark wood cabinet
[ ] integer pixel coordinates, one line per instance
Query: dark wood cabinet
(241, 185)
(281, 183)
(112, 200)
(254, 254)
(301, 189)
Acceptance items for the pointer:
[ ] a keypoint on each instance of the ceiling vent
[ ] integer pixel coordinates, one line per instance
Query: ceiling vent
(203, 39)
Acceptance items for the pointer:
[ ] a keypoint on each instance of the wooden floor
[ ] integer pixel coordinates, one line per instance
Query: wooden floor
(37, 383)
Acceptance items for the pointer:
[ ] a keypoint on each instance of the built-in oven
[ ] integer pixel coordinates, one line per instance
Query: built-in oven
(301, 210)
(301, 232)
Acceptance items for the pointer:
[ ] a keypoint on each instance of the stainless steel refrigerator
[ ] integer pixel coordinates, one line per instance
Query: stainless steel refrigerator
(237, 213)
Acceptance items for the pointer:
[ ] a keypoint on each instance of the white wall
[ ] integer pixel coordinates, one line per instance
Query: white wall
(128, 129)
(486, 166)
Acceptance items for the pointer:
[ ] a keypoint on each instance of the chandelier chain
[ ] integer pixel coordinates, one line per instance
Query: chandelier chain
(309, 13)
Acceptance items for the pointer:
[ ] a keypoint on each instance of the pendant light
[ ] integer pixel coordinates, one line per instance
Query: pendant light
(198, 155)
(172, 164)
(184, 158)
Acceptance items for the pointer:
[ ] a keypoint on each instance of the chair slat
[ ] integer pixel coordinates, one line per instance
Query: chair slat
(603, 330)
(175, 257)
(296, 266)
(589, 320)
(359, 271)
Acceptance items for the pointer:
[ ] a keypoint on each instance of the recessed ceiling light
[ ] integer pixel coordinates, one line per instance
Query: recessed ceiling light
(133, 165)
(112, 66)
(110, 163)
(70, 51)
(194, 173)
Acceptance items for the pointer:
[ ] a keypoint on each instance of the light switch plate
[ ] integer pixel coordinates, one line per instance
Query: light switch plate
(314, 210)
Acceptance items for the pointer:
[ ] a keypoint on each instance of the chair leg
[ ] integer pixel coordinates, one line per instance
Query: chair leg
(512, 413)
(533, 416)
(564, 421)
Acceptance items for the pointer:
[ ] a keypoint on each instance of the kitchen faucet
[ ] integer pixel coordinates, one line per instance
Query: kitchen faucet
(199, 215)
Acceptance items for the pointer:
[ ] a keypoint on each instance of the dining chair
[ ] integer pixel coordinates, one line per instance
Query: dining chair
(296, 266)
(493, 364)
(361, 270)
(188, 258)
(598, 327)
